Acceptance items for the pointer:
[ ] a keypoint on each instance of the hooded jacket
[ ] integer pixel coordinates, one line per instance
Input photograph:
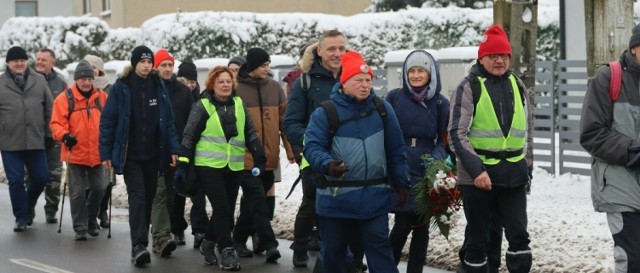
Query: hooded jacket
(607, 129)
(116, 117)
(462, 112)
(83, 123)
(370, 150)
(423, 124)
(301, 105)
(24, 115)
(266, 103)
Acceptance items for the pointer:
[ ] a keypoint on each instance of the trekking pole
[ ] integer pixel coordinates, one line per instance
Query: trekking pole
(112, 181)
(64, 189)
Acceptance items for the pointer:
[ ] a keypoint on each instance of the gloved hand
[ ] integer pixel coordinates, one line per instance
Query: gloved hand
(257, 170)
(48, 143)
(634, 154)
(336, 168)
(403, 194)
(69, 140)
(180, 178)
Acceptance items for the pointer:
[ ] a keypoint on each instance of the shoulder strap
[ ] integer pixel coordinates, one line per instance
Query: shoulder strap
(70, 101)
(616, 80)
(382, 111)
(305, 82)
(332, 117)
(395, 98)
(335, 123)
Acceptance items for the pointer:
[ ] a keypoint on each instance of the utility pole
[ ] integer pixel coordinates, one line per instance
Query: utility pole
(519, 18)
(608, 25)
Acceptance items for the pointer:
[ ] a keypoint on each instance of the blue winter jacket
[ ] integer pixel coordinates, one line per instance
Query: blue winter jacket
(423, 125)
(115, 122)
(369, 152)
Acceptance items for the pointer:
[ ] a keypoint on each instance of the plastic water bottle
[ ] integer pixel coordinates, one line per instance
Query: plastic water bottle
(255, 171)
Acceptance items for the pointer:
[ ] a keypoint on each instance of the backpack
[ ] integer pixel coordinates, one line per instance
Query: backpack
(616, 80)
(72, 103)
(335, 123)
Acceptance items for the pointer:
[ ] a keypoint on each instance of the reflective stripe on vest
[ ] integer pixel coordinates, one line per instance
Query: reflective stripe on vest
(212, 149)
(486, 134)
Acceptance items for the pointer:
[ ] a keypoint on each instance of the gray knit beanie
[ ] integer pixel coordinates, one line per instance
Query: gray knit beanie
(635, 36)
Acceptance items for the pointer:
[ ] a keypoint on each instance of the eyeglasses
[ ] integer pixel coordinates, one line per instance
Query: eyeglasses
(504, 57)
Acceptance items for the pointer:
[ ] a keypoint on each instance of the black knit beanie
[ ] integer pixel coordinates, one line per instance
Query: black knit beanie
(139, 53)
(16, 53)
(188, 71)
(255, 58)
(635, 36)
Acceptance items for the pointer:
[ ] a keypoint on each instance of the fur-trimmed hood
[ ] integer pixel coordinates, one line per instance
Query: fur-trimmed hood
(128, 69)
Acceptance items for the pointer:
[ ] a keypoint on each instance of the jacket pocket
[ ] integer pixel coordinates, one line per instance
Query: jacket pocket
(598, 179)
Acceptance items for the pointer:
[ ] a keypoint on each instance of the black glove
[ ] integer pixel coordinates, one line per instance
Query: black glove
(336, 168)
(180, 178)
(69, 140)
(260, 168)
(48, 143)
(634, 154)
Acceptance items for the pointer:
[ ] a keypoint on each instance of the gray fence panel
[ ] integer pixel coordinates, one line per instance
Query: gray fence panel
(572, 85)
(544, 128)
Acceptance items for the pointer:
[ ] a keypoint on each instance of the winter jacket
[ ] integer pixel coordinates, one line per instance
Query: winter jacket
(181, 102)
(115, 122)
(56, 83)
(83, 123)
(423, 125)
(291, 78)
(370, 150)
(266, 103)
(25, 115)
(300, 103)
(607, 130)
(462, 112)
(226, 112)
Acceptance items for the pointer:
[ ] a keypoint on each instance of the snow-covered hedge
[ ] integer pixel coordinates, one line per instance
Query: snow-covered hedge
(200, 35)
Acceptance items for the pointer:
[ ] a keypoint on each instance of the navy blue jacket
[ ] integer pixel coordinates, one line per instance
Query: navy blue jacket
(425, 122)
(115, 123)
(369, 150)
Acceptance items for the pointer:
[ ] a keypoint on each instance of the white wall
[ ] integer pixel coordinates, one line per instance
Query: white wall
(46, 8)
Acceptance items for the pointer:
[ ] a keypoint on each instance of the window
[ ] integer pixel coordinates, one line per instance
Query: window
(26, 8)
(106, 5)
(86, 6)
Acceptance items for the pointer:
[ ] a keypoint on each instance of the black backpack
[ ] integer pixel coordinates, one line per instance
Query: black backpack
(72, 103)
(335, 123)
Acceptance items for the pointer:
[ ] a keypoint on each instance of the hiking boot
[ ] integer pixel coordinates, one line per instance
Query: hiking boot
(51, 218)
(229, 259)
(272, 255)
(208, 250)
(81, 235)
(104, 219)
(92, 228)
(164, 247)
(32, 214)
(256, 245)
(243, 251)
(314, 242)
(19, 227)
(179, 239)
(300, 259)
(197, 239)
(140, 256)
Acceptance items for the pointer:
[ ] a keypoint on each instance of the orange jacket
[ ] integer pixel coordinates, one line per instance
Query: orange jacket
(83, 124)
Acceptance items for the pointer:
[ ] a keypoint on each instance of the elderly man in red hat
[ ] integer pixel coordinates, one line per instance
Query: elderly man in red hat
(490, 132)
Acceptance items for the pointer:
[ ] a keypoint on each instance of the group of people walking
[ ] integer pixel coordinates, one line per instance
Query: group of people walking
(360, 156)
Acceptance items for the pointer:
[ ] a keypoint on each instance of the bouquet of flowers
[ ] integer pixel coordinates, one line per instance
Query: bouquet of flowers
(437, 194)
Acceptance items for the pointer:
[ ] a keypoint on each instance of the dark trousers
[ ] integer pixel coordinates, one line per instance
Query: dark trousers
(306, 217)
(141, 179)
(52, 190)
(374, 235)
(625, 229)
(14, 163)
(254, 212)
(406, 223)
(495, 245)
(221, 188)
(510, 205)
(198, 214)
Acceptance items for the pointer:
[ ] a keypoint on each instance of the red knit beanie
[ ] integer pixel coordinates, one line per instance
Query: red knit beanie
(495, 41)
(353, 64)
(160, 56)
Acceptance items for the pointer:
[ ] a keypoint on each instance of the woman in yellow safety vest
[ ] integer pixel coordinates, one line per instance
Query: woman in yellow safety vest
(214, 141)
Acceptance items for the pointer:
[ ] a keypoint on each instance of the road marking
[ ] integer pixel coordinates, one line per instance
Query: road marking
(39, 266)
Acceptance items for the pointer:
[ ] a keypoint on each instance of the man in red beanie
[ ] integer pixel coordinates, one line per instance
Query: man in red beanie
(490, 132)
(356, 159)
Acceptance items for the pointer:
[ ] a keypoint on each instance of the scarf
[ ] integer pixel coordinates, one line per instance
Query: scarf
(100, 82)
(418, 94)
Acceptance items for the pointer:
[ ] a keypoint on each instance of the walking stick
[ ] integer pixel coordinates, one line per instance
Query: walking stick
(64, 190)
(112, 181)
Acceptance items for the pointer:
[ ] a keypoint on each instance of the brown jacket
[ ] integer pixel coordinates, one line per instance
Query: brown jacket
(266, 102)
